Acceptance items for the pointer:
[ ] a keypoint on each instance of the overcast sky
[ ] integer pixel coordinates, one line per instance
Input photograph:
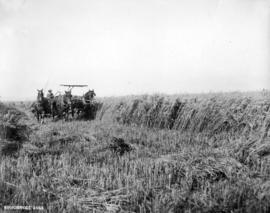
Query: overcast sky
(121, 47)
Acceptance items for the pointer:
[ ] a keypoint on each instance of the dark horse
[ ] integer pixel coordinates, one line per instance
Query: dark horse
(89, 96)
(83, 105)
(41, 107)
(63, 105)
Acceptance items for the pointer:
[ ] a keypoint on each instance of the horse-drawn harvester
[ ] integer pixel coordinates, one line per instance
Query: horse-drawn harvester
(65, 105)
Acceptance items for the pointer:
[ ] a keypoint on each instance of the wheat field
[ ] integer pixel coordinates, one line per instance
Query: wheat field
(148, 153)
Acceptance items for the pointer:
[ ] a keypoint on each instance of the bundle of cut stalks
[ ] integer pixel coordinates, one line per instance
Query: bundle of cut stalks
(107, 201)
(119, 146)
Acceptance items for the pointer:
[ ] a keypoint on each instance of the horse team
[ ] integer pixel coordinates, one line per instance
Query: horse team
(64, 106)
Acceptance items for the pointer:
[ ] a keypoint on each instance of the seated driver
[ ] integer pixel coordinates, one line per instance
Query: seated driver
(50, 94)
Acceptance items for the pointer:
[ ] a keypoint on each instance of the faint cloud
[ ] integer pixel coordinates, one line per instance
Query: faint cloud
(7, 32)
(11, 5)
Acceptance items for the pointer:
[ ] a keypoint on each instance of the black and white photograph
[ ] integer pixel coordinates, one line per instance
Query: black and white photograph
(135, 106)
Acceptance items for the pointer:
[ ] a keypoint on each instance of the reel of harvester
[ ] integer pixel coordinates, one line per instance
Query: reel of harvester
(71, 86)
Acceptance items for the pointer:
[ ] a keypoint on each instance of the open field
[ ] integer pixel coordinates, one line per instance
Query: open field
(188, 153)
